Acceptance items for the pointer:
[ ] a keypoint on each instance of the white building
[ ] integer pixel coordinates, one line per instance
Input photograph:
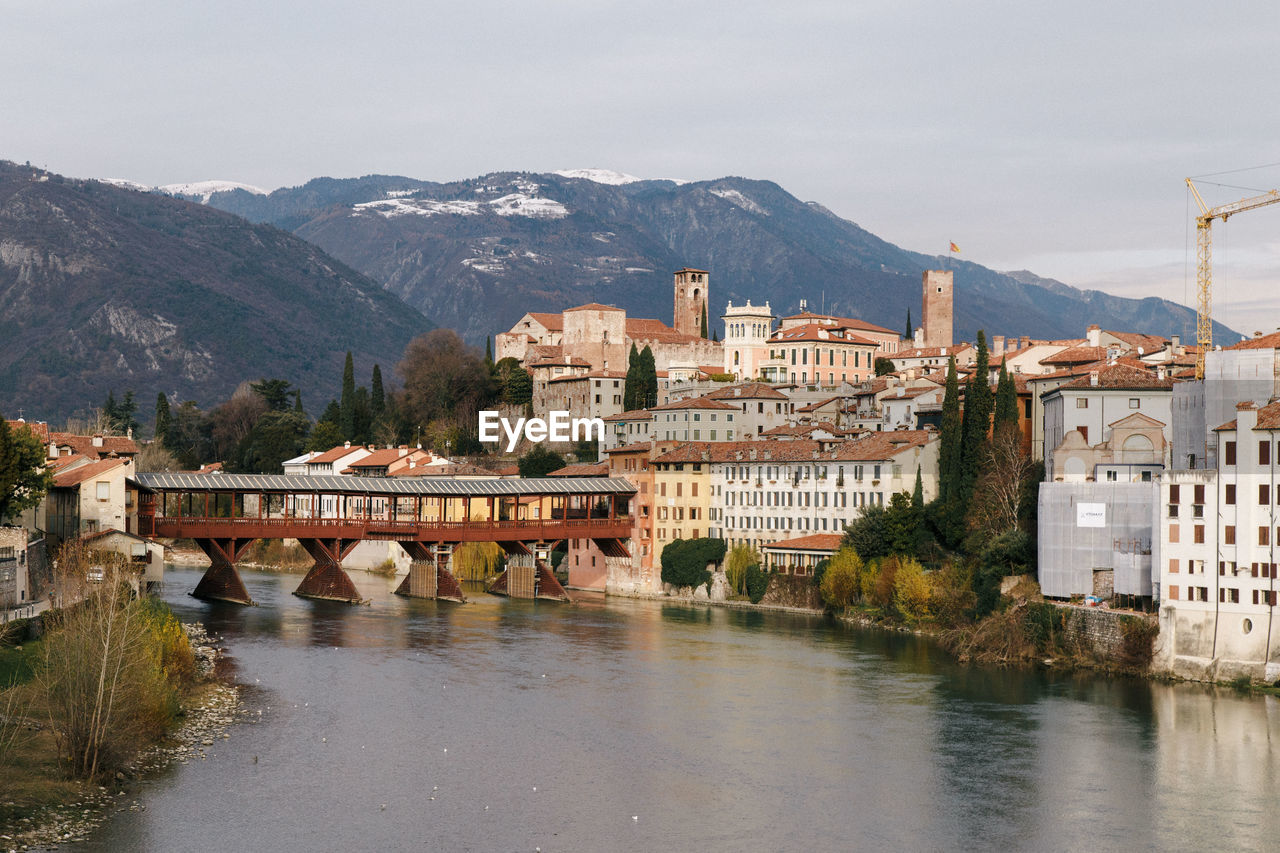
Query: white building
(1219, 554)
(698, 419)
(746, 338)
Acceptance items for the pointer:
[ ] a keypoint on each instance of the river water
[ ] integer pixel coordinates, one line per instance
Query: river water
(636, 725)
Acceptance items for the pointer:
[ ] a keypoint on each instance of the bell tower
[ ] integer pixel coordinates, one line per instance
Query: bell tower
(691, 288)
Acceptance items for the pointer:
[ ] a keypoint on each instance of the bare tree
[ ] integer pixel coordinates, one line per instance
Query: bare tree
(444, 379)
(997, 498)
(154, 457)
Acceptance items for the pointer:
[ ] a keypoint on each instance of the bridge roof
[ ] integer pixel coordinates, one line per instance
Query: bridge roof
(448, 486)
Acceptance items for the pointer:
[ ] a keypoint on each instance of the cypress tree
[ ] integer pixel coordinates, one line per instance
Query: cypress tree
(631, 391)
(910, 331)
(163, 417)
(347, 402)
(1006, 399)
(917, 494)
(949, 449)
(649, 377)
(297, 402)
(977, 420)
(488, 351)
(704, 321)
(377, 396)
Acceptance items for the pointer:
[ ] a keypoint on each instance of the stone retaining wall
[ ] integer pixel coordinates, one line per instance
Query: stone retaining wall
(1098, 629)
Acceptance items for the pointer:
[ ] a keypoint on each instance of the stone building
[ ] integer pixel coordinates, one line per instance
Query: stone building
(938, 308)
(692, 288)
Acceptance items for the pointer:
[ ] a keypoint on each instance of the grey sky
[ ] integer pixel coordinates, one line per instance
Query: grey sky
(1050, 136)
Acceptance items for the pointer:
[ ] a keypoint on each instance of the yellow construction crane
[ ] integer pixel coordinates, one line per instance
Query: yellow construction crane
(1204, 266)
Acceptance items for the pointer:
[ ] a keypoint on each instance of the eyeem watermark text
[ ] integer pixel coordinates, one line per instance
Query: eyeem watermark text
(558, 426)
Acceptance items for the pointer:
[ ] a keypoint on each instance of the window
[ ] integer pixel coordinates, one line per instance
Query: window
(1082, 402)
(1134, 403)
(1264, 452)
(1175, 494)
(1173, 510)
(104, 491)
(1264, 535)
(1084, 433)
(1173, 567)
(1230, 453)
(1229, 535)
(1199, 494)
(1173, 593)
(1264, 495)
(1228, 495)
(1199, 534)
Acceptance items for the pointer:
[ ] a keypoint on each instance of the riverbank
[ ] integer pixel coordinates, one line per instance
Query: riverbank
(41, 808)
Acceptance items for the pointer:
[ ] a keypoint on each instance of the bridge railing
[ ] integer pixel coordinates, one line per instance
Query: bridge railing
(369, 524)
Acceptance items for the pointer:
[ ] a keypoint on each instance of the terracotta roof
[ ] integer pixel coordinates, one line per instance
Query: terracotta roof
(1076, 355)
(876, 446)
(747, 391)
(593, 306)
(1269, 416)
(550, 322)
(383, 458)
(595, 469)
(813, 407)
(508, 471)
(64, 461)
(453, 469)
(1271, 341)
(1120, 376)
(76, 476)
(790, 430)
(634, 447)
(646, 329)
(1149, 343)
(39, 428)
(545, 351)
(818, 332)
(847, 322)
(905, 393)
(594, 374)
(695, 403)
(690, 269)
(812, 542)
(117, 444)
(559, 361)
(740, 451)
(113, 531)
(334, 454)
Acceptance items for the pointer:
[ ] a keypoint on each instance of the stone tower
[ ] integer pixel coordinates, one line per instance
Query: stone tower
(690, 301)
(938, 312)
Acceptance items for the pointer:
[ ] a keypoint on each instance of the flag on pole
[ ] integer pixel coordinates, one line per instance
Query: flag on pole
(955, 248)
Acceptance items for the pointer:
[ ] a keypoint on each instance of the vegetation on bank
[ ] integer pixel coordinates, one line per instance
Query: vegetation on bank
(109, 677)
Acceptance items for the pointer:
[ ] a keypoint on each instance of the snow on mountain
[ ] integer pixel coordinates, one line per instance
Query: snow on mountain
(204, 189)
(125, 183)
(739, 200)
(600, 176)
(513, 204)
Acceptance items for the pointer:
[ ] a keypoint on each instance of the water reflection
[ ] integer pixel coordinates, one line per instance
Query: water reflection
(719, 729)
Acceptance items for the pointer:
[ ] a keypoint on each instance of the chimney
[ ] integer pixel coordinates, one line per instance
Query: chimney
(917, 338)
(1160, 374)
(1094, 334)
(1093, 378)
(1112, 354)
(1175, 344)
(404, 450)
(1024, 342)
(129, 433)
(346, 445)
(997, 344)
(97, 439)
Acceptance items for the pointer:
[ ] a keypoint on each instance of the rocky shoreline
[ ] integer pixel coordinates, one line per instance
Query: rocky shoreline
(214, 708)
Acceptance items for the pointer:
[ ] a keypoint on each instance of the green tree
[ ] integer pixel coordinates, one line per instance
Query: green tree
(917, 494)
(648, 378)
(685, 561)
(539, 462)
(121, 415)
(977, 421)
(274, 392)
(704, 321)
(325, 436)
(632, 390)
(488, 351)
(297, 403)
(840, 582)
(24, 481)
(949, 450)
(910, 333)
(514, 382)
(277, 436)
(347, 402)
(377, 395)
(163, 417)
(1006, 399)
(757, 583)
(735, 566)
(363, 416)
(911, 592)
(189, 437)
(444, 379)
(883, 366)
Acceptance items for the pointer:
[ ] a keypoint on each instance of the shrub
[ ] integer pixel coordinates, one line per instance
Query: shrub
(841, 578)
(911, 592)
(476, 561)
(684, 561)
(1044, 625)
(1138, 641)
(735, 566)
(757, 583)
(886, 576)
(951, 593)
(539, 462)
(819, 571)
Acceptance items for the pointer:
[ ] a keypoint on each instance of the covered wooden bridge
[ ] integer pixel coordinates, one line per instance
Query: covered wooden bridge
(427, 516)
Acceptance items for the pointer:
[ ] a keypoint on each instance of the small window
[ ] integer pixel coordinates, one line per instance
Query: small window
(1228, 495)
(1231, 453)
(1264, 452)
(1175, 494)
(1135, 403)
(1264, 535)
(104, 491)
(1082, 402)
(1264, 495)
(1229, 534)
(1199, 534)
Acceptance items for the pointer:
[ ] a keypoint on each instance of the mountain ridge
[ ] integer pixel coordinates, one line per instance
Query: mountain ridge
(437, 246)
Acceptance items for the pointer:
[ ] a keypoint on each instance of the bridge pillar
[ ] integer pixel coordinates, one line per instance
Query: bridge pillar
(527, 577)
(221, 581)
(429, 575)
(327, 580)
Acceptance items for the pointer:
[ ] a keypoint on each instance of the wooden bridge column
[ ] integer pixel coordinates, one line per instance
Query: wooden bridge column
(221, 581)
(526, 576)
(428, 577)
(327, 580)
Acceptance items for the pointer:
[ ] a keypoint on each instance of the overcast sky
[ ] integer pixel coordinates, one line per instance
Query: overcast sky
(1048, 136)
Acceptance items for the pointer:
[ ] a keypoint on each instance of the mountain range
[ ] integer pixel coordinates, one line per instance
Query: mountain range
(105, 288)
(511, 242)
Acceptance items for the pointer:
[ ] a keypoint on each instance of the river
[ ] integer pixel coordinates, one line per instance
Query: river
(636, 725)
